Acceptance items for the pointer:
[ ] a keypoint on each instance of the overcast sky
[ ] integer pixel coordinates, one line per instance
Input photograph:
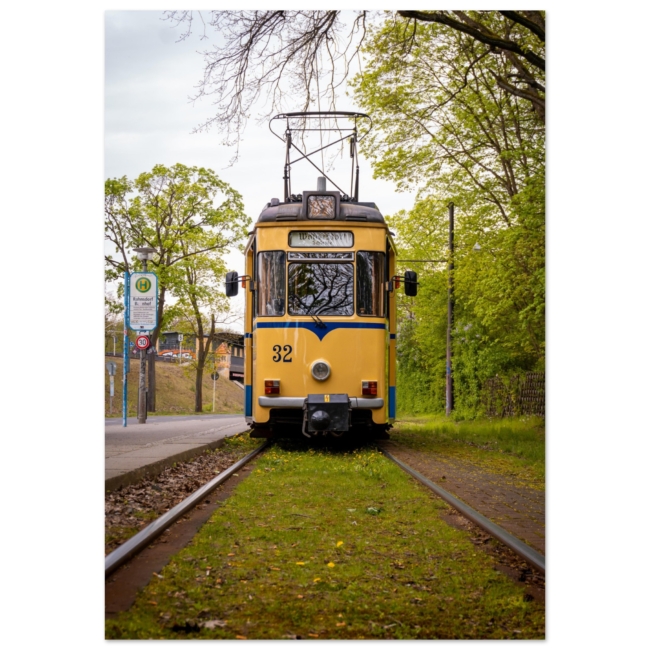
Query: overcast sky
(149, 120)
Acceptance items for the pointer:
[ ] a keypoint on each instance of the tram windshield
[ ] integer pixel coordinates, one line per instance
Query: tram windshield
(321, 289)
(370, 284)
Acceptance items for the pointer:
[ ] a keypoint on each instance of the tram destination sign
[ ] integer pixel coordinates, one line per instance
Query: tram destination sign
(143, 301)
(321, 238)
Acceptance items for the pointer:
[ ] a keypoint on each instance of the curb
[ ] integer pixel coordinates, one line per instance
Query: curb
(152, 470)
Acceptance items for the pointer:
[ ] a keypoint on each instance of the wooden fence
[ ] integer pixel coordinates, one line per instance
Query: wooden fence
(515, 395)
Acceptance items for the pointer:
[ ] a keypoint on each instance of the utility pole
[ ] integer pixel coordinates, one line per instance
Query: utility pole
(449, 402)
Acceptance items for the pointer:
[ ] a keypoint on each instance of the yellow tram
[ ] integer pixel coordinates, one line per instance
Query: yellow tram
(320, 321)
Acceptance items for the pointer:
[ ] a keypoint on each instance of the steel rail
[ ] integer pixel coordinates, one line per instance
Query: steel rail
(522, 550)
(127, 550)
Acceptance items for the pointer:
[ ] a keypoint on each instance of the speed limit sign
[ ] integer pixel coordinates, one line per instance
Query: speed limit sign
(142, 342)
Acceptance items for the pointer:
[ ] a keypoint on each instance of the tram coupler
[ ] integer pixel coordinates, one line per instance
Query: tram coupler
(326, 414)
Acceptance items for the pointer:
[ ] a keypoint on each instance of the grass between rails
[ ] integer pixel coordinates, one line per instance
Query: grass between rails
(330, 545)
(514, 446)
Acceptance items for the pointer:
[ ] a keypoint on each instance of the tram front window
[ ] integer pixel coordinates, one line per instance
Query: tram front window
(321, 289)
(270, 282)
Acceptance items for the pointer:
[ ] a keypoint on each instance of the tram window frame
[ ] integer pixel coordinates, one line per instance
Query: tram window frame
(381, 286)
(322, 263)
(259, 284)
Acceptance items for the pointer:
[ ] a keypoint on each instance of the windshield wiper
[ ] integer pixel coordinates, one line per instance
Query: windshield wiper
(318, 321)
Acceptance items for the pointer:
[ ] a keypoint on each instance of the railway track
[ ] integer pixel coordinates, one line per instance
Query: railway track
(146, 536)
(335, 529)
(521, 549)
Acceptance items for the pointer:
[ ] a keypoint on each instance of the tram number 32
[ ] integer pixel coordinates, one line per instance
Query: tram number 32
(287, 349)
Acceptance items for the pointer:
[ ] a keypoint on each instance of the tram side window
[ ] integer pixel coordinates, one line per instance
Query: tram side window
(270, 283)
(370, 284)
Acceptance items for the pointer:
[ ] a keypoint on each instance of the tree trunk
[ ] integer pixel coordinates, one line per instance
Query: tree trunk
(198, 392)
(201, 358)
(151, 383)
(151, 378)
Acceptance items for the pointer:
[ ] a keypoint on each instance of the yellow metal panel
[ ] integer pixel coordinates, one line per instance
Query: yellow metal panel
(354, 355)
(271, 237)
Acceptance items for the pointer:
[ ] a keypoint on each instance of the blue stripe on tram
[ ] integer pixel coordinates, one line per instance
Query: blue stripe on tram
(392, 403)
(248, 411)
(321, 332)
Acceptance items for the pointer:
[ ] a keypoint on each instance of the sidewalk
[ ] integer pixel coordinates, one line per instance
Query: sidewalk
(138, 450)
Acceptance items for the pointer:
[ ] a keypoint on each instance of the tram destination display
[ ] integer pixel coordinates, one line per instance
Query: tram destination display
(321, 239)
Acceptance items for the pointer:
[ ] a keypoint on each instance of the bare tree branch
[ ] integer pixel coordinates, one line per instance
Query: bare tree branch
(529, 24)
(481, 33)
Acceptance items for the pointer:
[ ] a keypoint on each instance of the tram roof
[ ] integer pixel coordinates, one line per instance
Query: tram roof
(349, 211)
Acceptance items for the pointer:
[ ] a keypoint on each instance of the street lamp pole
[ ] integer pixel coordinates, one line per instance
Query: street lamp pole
(449, 401)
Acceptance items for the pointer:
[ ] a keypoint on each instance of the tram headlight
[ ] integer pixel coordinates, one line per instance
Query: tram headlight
(320, 370)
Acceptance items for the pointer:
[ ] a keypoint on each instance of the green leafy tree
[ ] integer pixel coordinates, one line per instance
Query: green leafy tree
(447, 128)
(183, 213)
(201, 306)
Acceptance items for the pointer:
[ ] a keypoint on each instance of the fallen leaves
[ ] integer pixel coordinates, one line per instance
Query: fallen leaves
(135, 506)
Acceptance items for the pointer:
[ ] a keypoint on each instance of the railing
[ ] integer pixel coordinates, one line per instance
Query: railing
(515, 395)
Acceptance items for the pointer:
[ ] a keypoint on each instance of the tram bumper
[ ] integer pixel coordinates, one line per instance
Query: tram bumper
(326, 414)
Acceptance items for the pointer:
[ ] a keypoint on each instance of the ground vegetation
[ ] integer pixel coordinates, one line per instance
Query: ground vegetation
(327, 544)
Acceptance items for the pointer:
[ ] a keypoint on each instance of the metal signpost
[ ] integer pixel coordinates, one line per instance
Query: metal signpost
(143, 318)
(180, 351)
(111, 366)
(215, 376)
(125, 352)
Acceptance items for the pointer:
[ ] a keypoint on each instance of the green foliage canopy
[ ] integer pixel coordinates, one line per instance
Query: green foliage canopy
(182, 213)
(448, 129)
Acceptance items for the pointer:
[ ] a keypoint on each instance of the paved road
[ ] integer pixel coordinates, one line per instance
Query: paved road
(138, 448)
